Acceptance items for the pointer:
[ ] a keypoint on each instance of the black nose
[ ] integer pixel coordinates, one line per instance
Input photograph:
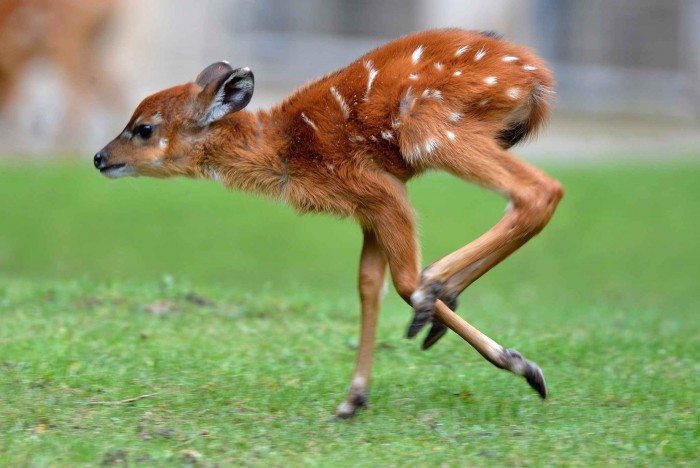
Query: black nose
(99, 158)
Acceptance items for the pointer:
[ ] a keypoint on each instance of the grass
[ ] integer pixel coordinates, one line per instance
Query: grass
(96, 307)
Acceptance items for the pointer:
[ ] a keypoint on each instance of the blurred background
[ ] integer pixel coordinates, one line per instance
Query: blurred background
(72, 71)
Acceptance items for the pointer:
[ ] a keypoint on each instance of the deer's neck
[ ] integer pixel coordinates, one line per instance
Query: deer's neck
(245, 153)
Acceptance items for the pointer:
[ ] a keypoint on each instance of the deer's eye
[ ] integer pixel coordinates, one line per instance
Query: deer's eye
(144, 131)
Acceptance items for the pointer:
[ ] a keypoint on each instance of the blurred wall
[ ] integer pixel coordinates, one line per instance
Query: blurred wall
(611, 57)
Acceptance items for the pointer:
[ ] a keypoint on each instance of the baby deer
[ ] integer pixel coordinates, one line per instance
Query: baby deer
(347, 144)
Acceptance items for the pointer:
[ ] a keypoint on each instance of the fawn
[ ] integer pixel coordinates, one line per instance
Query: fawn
(347, 144)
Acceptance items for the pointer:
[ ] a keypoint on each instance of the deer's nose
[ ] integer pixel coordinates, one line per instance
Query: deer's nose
(99, 159)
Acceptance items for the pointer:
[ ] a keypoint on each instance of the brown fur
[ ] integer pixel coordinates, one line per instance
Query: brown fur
(347, 143)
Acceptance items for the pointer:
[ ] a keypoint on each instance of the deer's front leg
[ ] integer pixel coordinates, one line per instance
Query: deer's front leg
(372, 277)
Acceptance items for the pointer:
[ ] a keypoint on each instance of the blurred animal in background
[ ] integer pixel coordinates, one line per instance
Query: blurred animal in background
(67, 36)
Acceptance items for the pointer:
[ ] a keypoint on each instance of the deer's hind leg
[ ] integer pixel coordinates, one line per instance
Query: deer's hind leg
(533, 197)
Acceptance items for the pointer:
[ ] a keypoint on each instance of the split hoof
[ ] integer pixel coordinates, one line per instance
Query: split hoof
(528, 369)
(436, 332)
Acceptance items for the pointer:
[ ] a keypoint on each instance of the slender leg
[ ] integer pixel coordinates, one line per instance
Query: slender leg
(372, 277)
(459, 282)
(534, 196)
(392, 221)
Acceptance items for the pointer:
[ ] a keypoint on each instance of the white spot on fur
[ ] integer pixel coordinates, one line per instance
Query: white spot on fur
(438, 66)
(415, 57)
(430, 145)
(479, 54)
(417, 298)
(374, 139)
(432, 94)
(341, 102)
(457, 73)
(483, 102)
(385, 287)
(331, 168)
(514, 93)
(369, 65)
(388, 135)
(357, 138)
(490, 80)
(126, 134)
(509, 206)
(213, 174)
(413, 77)
(163, 142)
(407, 102)
(450, 135)
(395, 123)
(308, 121)
(455, 117)
(462, 50)
(509, 58)
(529, 68)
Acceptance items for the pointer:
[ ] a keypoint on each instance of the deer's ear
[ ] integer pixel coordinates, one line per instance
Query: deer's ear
(212, 72)
(225, 92)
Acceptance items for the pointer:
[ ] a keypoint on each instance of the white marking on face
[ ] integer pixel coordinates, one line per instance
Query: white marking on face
(529, 68)
(163, 143)
(356, 138)
(455, 116)
(514, 93)
(157, 118)
(457, 73)
(490, 80)
(462, 50)
(308, 121)
(479, 54)
(413, 77)
(415, 57)
(117, 172)
(341, 102)
(369, 65)
(438, 66)
(388, 135)
(450, 135)
(509, 58)
(126, 134)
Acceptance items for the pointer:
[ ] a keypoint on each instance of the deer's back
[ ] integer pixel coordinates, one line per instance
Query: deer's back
(396, 105)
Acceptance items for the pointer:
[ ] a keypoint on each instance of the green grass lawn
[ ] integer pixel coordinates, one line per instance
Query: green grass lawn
(96, 306)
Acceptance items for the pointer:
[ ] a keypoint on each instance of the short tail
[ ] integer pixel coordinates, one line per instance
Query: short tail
(527, 119)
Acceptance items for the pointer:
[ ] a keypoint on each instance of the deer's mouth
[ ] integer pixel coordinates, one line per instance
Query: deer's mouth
(114, 171)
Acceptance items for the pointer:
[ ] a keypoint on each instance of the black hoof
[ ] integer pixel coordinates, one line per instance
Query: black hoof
(535, 378)
(436, 332)
(420, 319)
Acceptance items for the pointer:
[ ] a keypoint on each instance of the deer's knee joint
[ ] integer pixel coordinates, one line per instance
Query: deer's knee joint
(371, 282)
